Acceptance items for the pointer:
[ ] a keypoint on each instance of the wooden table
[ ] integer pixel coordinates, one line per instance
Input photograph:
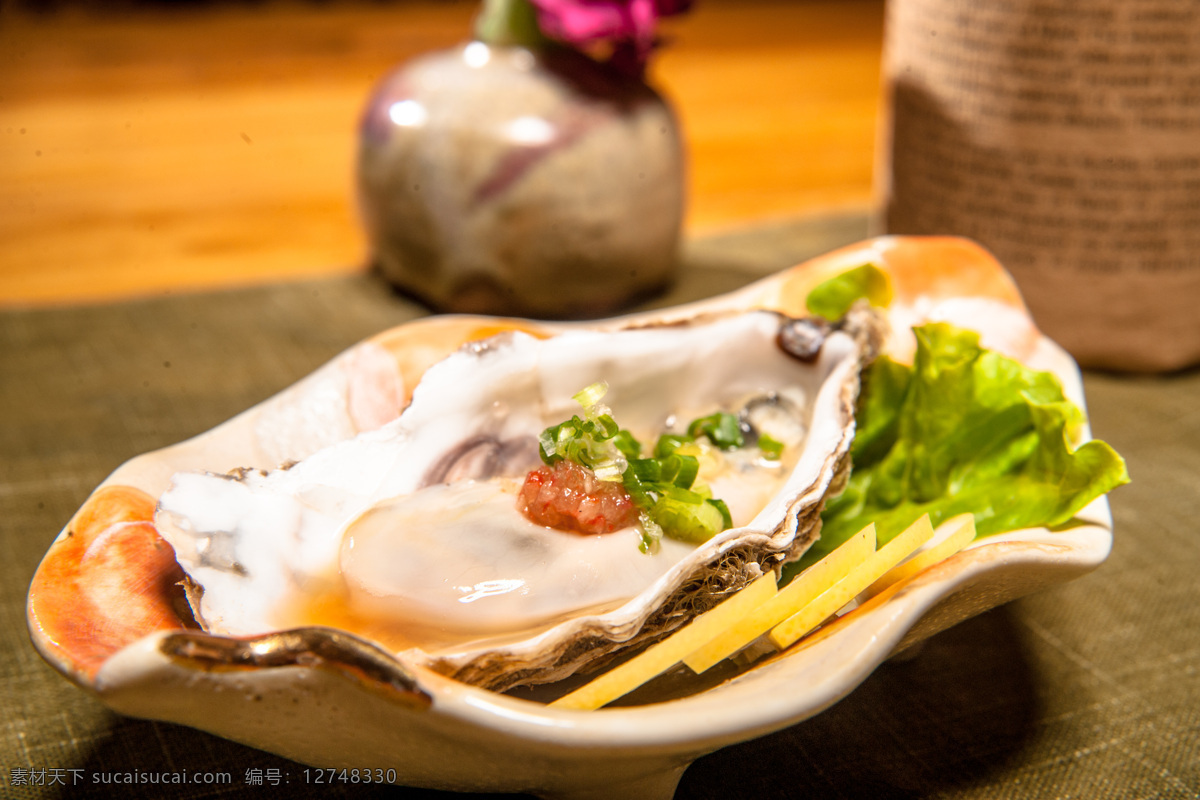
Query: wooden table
(153, 150)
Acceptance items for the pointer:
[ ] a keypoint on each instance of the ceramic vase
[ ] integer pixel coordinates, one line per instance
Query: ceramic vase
(528, 181)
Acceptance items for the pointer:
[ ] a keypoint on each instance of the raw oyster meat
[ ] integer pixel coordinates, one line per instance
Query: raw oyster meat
(410, 535)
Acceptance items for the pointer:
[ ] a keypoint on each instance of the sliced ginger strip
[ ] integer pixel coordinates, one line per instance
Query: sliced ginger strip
(849, 587)
(961, 532)
(659, 658)
(803, 589)
(784, 615)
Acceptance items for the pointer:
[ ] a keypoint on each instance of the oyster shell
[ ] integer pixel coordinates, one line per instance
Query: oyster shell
(409, 534)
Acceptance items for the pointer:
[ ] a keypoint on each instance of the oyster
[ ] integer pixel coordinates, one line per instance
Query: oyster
(410, 535)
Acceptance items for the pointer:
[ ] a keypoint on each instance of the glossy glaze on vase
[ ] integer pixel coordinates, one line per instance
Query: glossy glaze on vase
(513, 181)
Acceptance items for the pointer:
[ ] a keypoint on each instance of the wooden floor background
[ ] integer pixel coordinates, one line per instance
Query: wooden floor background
(163, 148)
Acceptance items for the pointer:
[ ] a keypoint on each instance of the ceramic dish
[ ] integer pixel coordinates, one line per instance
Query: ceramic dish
(105, 610)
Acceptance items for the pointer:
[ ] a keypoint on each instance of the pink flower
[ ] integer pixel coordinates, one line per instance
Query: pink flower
(627, 24)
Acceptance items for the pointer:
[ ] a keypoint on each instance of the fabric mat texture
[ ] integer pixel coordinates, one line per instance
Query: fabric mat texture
(1088, 690)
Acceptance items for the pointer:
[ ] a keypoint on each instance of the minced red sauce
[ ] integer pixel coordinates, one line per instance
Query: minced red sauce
(570, 497)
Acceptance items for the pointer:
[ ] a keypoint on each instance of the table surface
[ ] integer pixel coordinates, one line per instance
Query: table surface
(156, 150)
(151, 155)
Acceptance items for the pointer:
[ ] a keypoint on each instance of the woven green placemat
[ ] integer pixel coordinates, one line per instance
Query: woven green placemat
(1089, 690)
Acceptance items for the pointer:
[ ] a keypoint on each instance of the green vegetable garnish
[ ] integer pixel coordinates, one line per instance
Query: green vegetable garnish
(722, 509)
(833, 298)
(668, 443)
(579, 440)
(688, 518)
(721, 428)
(772, 448)
(663, 485)
(665, 488)
(626, 444)
(590, 396)
(671, 470)
(964, 430)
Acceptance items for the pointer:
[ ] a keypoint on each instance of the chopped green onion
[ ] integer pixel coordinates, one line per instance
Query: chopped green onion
(721, 428)
(547, 447)
(607, 425)
(668, 443)
(669, 469)
(688, 520)
(664, 485)
(637, 489)
(609, 471)
(689, 468)
(684, 495)
(724, 509)
(629, 446)
(590, 395)
(651, 532)
(646, 470)
(772, 448)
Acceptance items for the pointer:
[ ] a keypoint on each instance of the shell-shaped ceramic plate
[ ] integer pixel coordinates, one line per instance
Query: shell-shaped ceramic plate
(105, 609)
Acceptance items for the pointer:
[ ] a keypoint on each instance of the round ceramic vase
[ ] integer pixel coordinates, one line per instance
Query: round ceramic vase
(507, 180)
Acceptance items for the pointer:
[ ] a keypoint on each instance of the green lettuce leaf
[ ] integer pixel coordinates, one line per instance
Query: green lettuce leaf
(964, 430)
(833, 298)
